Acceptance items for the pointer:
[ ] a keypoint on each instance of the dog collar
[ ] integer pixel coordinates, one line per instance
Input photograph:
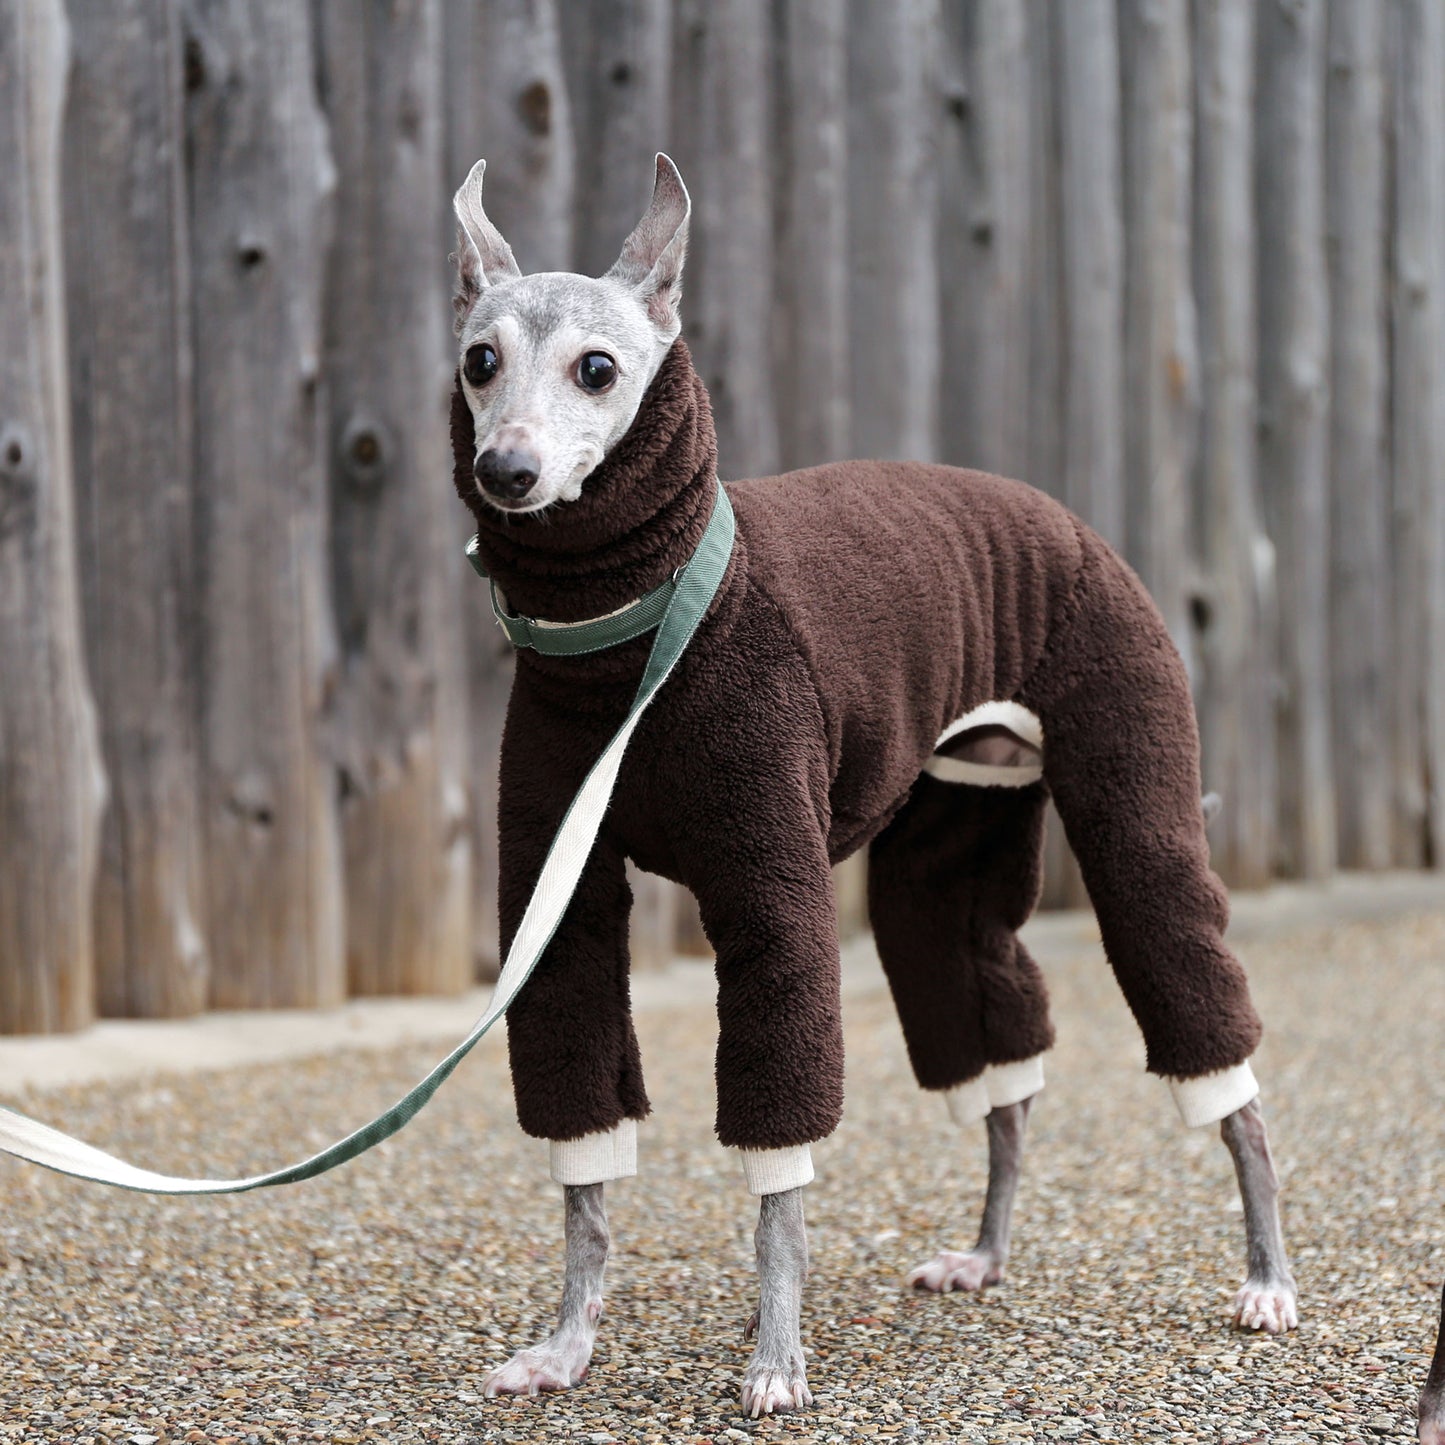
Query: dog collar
(572, 639)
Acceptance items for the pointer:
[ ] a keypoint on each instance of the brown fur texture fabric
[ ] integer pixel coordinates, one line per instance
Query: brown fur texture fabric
(867, 606)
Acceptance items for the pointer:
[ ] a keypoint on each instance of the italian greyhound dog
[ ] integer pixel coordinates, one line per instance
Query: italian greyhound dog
(903, 657)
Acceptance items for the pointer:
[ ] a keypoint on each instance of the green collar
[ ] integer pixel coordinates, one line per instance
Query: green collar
(571, 639)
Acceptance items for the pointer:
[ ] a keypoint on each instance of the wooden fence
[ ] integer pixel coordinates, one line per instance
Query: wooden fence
(1180, 262)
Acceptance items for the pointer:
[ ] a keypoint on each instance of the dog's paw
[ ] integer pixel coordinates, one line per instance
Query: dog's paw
(552, 1366)
(1266, 1304)
(1432, 1423)
(948, 1270)
(771, 1391)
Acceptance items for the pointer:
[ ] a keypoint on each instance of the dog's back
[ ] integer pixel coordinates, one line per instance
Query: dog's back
(916, 593)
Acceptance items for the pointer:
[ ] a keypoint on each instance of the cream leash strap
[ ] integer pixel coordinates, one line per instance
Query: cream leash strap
(695, 587)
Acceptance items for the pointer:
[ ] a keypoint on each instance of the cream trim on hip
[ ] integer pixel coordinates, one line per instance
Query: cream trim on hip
(983, 775)
(1212, 1097)
(1011, 715)
(771, 1171)
(595, 1158)
(997, 1087)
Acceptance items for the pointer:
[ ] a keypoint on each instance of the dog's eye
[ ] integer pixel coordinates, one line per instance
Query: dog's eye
(481, 364)
(596, 371)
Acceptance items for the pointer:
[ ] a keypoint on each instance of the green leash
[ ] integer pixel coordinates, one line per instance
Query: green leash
(688, 595)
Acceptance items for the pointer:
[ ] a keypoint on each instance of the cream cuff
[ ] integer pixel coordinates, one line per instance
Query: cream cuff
(1212, 1097)
(998, 1086)
(596, 1158)
(983, 775)
(771, 1171)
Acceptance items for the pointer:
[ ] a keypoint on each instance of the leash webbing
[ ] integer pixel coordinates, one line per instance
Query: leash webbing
(693, 590)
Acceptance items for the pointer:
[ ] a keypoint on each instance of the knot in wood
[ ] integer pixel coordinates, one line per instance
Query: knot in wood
(365, 454)
(1201, 610)
(195, 63)
(250, 253)
(18, 484)
(252, 799)
(14, 451)
(534, 105)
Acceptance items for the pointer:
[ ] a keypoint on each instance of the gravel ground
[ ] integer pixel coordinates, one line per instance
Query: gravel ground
(369, 1304)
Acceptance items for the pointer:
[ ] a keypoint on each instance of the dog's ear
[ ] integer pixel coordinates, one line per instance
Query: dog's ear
(483, 257)
(652, 256)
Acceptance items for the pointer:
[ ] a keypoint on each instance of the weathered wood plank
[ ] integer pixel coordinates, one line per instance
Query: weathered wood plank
(722, 84)
(262, 184)
(1418, 437)
(1161, 365)
(1044, 461)
(619, 75)
(1359, 483)
(132, 408)
(1093, 263)
(1294, 412)
(1235, 610)
(52, 786)
(507, 102)
(397, 532)
(893, 162)
(984, 234)
(814, 372)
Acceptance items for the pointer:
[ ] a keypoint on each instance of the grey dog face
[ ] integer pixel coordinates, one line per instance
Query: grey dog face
(554, 365)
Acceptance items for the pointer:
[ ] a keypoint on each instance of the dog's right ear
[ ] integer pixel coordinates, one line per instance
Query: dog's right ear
(652, 256)
(483, 257)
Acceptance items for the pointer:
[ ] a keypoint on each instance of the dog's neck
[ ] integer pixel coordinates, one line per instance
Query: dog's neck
(641, 513)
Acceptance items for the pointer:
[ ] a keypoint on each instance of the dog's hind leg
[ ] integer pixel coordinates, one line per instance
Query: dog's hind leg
(984, 1263)
(561, 1360)
(1121, 756)
(950, 881)
(776, 1380)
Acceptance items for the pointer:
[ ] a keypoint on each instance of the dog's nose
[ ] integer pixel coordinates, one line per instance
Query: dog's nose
(509, 474)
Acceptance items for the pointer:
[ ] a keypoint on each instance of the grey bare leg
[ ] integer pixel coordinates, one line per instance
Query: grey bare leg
(1266, 1300)
(1432, 1397)
(983, 1264)
(775, 1380)
(561, 1360)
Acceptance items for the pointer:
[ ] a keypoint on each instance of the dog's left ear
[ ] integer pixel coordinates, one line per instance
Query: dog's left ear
(483, 257)
(652, 256)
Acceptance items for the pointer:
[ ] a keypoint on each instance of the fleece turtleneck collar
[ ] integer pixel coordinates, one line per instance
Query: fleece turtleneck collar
(641, 513)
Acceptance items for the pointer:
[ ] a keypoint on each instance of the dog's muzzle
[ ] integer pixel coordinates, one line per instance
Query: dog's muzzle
(508, 475)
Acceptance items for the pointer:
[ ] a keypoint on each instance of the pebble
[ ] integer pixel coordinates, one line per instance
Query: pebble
(369, 1305)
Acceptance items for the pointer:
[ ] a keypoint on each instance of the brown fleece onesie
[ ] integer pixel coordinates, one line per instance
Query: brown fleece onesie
(867, 606)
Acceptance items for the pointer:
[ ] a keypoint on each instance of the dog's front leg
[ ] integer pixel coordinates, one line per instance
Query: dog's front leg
(983, 1264)
(751, 841)
(1267, 1299)
(776, 1379)
(561, 1360)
